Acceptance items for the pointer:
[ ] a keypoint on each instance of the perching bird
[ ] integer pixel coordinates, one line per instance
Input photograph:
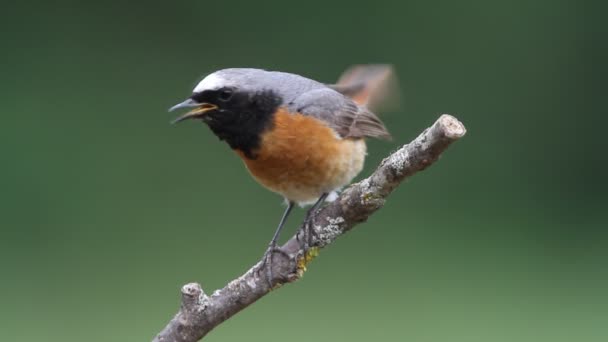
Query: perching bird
(298, 137)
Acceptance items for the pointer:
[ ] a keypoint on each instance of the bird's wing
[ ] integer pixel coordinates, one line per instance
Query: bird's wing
(372, 85)
(340, 113)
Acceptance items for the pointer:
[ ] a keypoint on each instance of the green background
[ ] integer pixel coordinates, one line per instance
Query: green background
(107, 210)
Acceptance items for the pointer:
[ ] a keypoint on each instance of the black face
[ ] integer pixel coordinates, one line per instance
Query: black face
(240, 117)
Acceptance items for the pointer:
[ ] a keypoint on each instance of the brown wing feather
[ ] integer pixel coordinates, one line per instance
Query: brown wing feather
(367, 124)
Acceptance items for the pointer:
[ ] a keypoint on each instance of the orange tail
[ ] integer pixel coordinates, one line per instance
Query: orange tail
(372, 85)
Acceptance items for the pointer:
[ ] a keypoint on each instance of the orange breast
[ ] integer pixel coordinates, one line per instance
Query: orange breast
(301, 158)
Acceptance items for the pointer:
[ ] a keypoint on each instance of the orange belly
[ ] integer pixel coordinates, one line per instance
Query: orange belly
(301, 158)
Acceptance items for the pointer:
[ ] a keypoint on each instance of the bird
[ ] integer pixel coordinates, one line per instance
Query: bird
(300, 138)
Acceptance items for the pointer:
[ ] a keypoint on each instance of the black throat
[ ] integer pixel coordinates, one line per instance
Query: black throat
(243, 119)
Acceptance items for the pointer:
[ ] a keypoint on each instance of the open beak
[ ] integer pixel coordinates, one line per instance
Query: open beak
(199, 110)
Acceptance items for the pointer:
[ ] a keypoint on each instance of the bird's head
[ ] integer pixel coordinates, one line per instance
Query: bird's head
(214, 94)
(237, 104)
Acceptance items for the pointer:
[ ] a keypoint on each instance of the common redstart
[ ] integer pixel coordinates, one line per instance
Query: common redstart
(297, 137)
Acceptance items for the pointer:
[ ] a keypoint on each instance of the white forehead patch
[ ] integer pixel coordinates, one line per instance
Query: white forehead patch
(210, 82)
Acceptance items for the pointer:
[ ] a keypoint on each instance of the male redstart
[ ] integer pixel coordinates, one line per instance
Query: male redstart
(298, 137)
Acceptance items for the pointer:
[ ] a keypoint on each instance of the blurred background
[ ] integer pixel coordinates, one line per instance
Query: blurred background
(107, 210)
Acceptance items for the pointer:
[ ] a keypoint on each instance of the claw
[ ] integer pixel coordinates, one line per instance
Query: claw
(267, 262)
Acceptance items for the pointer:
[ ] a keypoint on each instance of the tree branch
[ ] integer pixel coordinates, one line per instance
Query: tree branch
(200, 313)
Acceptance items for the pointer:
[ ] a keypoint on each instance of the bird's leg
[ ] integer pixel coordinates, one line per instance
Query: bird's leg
(272, 246)
(307, 228)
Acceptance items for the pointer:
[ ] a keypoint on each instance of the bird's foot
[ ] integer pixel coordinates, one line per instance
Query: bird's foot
(307, 227)
(267, 261)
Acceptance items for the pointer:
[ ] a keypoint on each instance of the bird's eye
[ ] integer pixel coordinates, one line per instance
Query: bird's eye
(225, 95)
